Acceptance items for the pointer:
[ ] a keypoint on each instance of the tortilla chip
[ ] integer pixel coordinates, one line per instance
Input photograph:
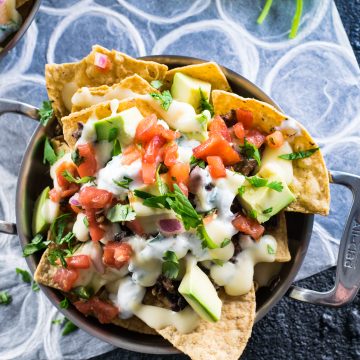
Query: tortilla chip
(103, 93)
(20, 3)
(225, 339)
(102, 110)
(208, 71)
(311, 180)
(62, 80)
(280, 234)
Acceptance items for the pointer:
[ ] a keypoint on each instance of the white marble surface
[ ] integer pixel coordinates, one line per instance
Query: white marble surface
(314, 78)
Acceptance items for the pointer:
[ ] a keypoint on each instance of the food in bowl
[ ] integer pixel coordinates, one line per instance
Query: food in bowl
(166, 190)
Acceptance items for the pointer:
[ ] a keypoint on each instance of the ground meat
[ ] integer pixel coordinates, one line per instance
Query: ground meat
(123, 233)
(166, 290)
(236, 206)
(230, 118)
(245, 166)
(77, 134)
(195, 180)
(237, 248)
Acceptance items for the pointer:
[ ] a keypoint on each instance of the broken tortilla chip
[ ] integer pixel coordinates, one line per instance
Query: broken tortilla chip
(224, 339)
(311, 180)
(86, 97)
(62, 80)
(208, 71)
(101, 111)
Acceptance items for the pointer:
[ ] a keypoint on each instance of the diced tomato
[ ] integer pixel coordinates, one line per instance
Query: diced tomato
(88, 163)
(65, 278)
(209, 218)
(248, 226)
(92, 198)
(216, 167)
(216, 145)
(96, 232)
(255, 137)
(54, 195)
(152, 149)
(171, 154)
(168, 134)
(116, 254)
(78, 262)
(148, 171)
(130, 154)
(275, 140)
(147, 129)
(179, 173)
(71, 190)
(219, 127)
(75, 209)
(245, 117)
(104, 311)
(135, 227)
(239, 131)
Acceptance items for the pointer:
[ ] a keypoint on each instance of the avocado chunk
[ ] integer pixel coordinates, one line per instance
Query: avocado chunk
(271, 164)
(39, 223)
(263, 202)
(187, 89)
(121, 126)
(199, 292)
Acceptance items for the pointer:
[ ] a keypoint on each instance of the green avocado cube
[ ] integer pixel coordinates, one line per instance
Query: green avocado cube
(187, 89)
(121, 126)
(200, 293)
(39, 223)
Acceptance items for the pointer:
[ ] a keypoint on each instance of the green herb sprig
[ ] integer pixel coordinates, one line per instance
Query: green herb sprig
(46, 112)
(299, 154)
(164, 98)
(170, 266)
(204, 103)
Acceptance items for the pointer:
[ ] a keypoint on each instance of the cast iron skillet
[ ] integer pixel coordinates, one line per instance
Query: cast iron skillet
(33, 177)
(27, 12)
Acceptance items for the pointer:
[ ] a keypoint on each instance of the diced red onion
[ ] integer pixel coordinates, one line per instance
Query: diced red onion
(101, 60)
(170, 226)
(74, 200)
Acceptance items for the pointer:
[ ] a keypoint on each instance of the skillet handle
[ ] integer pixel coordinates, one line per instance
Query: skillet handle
(347, 281)
(18, 107)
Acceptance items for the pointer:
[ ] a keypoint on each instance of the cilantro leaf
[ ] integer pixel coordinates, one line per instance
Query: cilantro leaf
(46, 112)
(268, 210)
(162, 187)
(26, 277)
(157, 84)
(57, 321)
(76, 158)
(64, 304)
(252, 214)
(204, 103)
(164, 98)
(36, 244)
(197, 162)
(35, 286)
(159, 202)
(55, 254)
(49, 153)
(170, 266)
(206, 241)
(261, 182)
(121, 213)
(5, 298)
(66, 174)
(276, 185)
(241, 190)
(116, 148)
(124, 183)
(225, 242)
(251, 151)
(82, 292)
(86, 221)
(270, 250)
(69, 327)
(143, 194)
(298, 155)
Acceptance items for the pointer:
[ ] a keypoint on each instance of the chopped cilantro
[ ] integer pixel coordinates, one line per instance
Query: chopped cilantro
(253, 214)
(5, 298)
(170, 266)
(49, 153)
(35, 286)
(270, 250)
(225, 242)
(276, 185)
(57, 321)
(162, 187)
(157, 84)
(204, 103)
(55, 254)
(257, 181)
(26, 277)
(124, 183)
(298, 155)
(66, 174)
(241, 190)
(64, 304)
(76, 158)
(86, 221)
(164, 98)
(36, 244)
(46, 112)
(251, 151)
(69, 327)
(197, 162)
(268, 210)
(82, 292)
(121, 213)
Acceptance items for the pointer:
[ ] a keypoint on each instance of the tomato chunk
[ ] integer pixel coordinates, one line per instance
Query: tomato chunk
(135, 227)
(255, 137)
(147, 129)
(54, 195)
(219, 127)
(275, 140)
(148, 171)
(88, 163)
(239, 131)
(93, 198)
(152, 149)
(104, 311)
(168, 134)
(179, 173)
(132, 153)
(216, 145)
(171, 154)
(78, 262)
(216, 167)
(65, 278)
(96, 232)
(245, 117)
(116, 254)
(65, 166)
(248, 226)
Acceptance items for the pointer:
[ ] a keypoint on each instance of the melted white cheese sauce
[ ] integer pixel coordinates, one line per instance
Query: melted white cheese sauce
(50, 211)
(80, 230)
